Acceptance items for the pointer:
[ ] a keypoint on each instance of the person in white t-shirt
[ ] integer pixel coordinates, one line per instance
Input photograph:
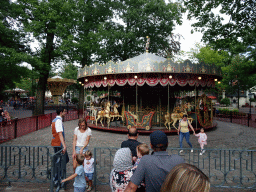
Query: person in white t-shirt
(89, 168)
(82, 135)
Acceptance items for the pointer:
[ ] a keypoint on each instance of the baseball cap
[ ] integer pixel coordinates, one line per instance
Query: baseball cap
(158, 137)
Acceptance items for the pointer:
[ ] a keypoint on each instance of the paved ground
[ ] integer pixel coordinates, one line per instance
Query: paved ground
(226, 135)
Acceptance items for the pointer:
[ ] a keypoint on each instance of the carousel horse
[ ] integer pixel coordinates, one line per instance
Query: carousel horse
(115, 113)
(104, 113)
(177, 115)
(167, 121)
(93, 111)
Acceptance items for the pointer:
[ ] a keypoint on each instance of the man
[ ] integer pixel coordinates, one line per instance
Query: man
(132, 142)
(58, 143)
(58, 139)
(154, 168)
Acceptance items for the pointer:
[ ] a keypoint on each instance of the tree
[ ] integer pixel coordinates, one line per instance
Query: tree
(237, 36)
(12, 49)
(126, 38)
(49, 22)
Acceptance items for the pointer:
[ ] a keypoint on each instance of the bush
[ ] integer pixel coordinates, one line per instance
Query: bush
(225, 101)
(74, 100)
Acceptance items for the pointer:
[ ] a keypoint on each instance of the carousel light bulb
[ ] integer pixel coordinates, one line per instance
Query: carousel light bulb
(105, 78)
(199, 78)
(218, 82)
(80, 82)
(215, 79)
(86, 80)
(170, 76)
(135, 77)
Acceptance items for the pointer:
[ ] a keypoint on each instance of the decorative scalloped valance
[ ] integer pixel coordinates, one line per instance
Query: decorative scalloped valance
(151, 80)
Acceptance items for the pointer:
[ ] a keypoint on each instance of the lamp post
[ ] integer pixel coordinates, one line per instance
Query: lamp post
(250, 116)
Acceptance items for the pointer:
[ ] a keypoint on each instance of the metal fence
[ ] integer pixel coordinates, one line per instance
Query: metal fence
(19, 127)
(25, 163)
(32, 164)
(242, 120)
(225, 167)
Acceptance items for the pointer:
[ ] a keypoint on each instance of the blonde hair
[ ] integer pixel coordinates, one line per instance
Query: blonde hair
(88, 153)
(143, 149)
(79, 159)
(186, 178)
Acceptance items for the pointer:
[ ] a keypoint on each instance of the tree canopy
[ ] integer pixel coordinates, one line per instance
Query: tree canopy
(236, 34)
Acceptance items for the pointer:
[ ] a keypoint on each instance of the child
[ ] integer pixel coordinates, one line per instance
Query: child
(142, 149)
(80, 182)
(89, 168)
(202, 140)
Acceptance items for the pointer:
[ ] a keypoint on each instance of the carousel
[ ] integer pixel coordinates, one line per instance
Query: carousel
(153, 93)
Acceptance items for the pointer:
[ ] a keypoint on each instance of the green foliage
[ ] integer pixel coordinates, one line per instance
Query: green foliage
(12, 49)
(88, 98)
(74, 100)
(225, 111)
(225, 101)
(236, 35)
(141, 18)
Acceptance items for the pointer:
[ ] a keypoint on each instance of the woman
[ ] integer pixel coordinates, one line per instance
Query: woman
(186, 178)
(82, 135)
(122, 171)
(184, 132)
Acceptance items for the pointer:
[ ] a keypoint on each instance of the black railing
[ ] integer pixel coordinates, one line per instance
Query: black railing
(37, 164)
(245, 119)
(225, 167)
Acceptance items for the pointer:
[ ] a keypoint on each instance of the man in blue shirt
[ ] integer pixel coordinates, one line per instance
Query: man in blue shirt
(154, 168)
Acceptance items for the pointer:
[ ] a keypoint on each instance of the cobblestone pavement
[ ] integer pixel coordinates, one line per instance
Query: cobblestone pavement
(226, 135)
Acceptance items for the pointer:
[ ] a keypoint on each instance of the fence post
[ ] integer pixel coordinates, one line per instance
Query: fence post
(95, 169)
(37, 123)
(15, 127)
(230, 116)
(50, 118)
(248, 120)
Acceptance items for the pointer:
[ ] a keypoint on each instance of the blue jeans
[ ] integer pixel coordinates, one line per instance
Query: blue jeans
(187, 136)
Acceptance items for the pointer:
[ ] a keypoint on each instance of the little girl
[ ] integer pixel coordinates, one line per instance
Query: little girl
(202, 140)
(142, 149)
(89, 168)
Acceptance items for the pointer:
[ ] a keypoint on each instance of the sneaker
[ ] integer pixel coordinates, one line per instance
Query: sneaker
(181, 151)
(192, 151)
(89, 188)
(201, 153)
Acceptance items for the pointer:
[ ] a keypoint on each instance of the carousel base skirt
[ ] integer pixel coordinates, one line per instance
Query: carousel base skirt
(123, 129)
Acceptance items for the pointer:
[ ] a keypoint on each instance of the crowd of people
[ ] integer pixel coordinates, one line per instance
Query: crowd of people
(134, 168)
(4, 116)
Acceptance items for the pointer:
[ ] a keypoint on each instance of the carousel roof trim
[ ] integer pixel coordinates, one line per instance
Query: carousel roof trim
(148, 63)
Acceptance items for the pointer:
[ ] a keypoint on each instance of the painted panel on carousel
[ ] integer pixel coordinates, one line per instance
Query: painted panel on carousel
(169, 66)
(187, 67)
(203, 68)
(110, 68)
(128, 66)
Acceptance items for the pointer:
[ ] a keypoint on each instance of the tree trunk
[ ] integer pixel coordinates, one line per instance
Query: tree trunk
(81, 99)
(47, 57)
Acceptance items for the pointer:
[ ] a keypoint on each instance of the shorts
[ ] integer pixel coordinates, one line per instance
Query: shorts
(89, 175)
(79, 148)
(79, 189)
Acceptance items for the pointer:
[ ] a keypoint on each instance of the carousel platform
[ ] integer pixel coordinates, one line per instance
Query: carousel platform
(118, 128)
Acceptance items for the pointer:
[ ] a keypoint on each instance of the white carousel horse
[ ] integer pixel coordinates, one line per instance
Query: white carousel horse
(93, 111)
(115, 113)
(104, 113)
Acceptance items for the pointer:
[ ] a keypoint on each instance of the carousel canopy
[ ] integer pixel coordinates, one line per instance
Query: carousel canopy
(150, 69)
(16, 90)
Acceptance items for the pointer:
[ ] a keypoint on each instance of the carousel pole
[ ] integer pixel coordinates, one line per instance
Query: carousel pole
(195, 105)
(135, 77)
